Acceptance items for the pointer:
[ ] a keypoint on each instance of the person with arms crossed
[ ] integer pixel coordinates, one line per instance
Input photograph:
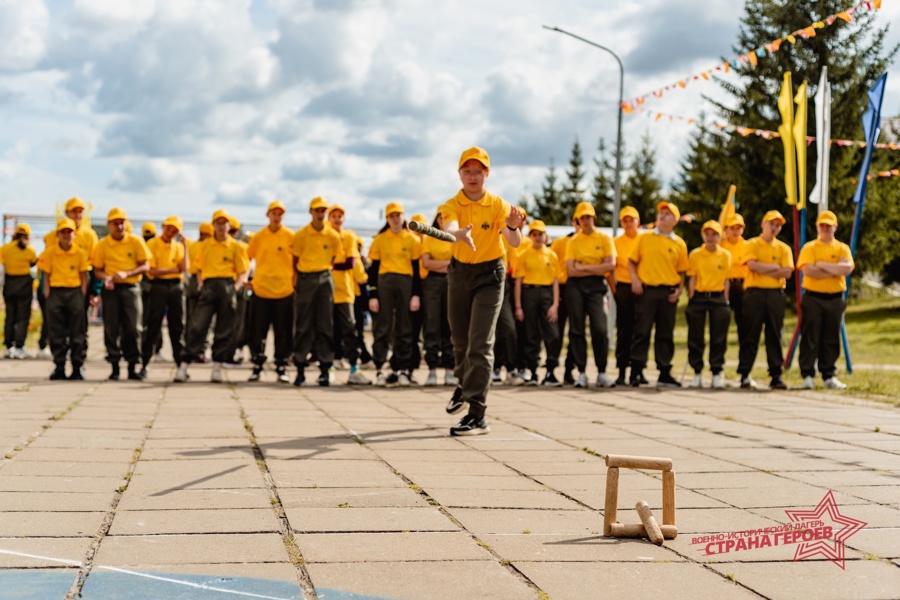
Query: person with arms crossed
(630, 221)
(17, 258)
(734, 243)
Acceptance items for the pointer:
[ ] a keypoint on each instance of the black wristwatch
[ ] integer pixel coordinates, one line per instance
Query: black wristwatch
(511, 228)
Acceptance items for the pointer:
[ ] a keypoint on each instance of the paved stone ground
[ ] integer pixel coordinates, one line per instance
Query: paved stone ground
(200, 491)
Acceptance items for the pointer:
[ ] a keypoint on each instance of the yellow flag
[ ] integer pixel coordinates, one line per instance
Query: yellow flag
(800, 142)
(786, 108)
(728, 209)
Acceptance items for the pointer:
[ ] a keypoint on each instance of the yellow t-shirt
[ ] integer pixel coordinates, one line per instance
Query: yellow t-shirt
(85, 238)
(537, 267)
(317, 250)
(221, 259)
(274, 273)
(559, 247)
(112, 256)
(396, 251)
(738, 269)
(818, 251)
(709, 268)
(64, 267)
(193, 251)
(16, 260)
(344, 280)
(624, 247)
(437, 249)
(776, 253)
(165, 256)
(488, 218)
(590, 249)
(359, 276)
(660, 259)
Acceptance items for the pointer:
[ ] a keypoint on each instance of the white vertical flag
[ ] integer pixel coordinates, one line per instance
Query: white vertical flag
(819, 194)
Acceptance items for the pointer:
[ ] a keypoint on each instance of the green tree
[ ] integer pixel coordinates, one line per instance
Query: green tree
(603, 186)
(855, 56)
(573, 193)
(643, 188)
(547, 206)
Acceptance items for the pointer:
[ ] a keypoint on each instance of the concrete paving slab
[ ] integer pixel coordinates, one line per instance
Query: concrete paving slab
(881, 494)
(875, 515)
(197, 520)
(315, 520)
(786, 494)
(293, 474)
(873, 541)
(476, 482)
(199, 474)
(835, 478)
(120, 456)
(389, 547)
(34, 484)
(517, 521)
(141, 497)
(50, 523)
(232, 453)
(65, 468)
(42, 552)
(724, 520)
(418, 468)
(84, 440)
(139, 550)
(371, 497)
(55, 501)
(498, 498)
(559, 548)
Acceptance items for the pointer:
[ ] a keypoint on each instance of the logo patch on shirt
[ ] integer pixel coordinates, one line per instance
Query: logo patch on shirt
(485, 225)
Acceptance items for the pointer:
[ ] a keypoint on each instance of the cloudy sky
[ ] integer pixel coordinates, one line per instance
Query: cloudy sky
(179, 106)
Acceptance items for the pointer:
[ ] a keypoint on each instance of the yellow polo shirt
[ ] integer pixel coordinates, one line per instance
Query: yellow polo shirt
(64, 267)
(709, 268)
(112, 256)
(624, 247)
(16, 260)
(590, 249)
(317, 250)
(560, 246)
(221, 259)
(537, 267)
(359, 277)
(165, 256)
(437, 249)
(776, 253)
(85, 238)
(396, 251)
(660, 259)
(193, 251)
(274, 273)
(818, 251)
(488, 218)
(738, 269)
(344, 280)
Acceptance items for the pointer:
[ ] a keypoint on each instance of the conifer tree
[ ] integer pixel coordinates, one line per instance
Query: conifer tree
(643, 188)
(547, 206)
(603, 186)
(573, 193)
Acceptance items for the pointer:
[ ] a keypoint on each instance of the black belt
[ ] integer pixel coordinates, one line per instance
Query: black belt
(166, 281)
(436, 274)
(737, 280)
(823, 295)
(529, 286)
(708, 294)
(206, 279)
(313, 273)
(653, 287)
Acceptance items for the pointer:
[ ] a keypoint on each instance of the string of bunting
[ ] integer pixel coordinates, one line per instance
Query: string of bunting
(752, 57)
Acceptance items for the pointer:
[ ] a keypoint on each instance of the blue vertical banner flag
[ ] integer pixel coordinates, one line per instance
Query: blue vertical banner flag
(871, 122)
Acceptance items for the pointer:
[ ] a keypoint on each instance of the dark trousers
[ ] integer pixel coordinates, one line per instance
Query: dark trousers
(360, 308)
(217, 299)
(536, 301)
(763, 307)
(394, 292)
(705, 304)
(736, 301)
(345, 345)
(241, 315)
(17, 294)
(585, 298)
(277, 313)
(65, 311)
(314, 318)
(820, 333)
(475, 294)
(123, 322)
(191, 297)
(505, 342)
(165, 298)
(44, 340)
(438, 345)
(563, 314)
(417, 321)
(653, 310)
(625, 303)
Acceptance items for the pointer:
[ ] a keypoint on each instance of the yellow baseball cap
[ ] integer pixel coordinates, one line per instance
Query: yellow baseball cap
(393, 207)
(128, 226)
(276, 205)
(234, 222)
(221, 214)
(827, 217)
(116, 214)
(76, 202)
(475, 153)
(671, 208)
(735, 219)
(175, 222)
(148, 228)
(537, 225)
(584, 208)
(66, 223)
(205, 228)
(318, 202)
(714, 225)
(23, 228)
(774, 215)
(335, 207)
(629, 211)
(421, 218)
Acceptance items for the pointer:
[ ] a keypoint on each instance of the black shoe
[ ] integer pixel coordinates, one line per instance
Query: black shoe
(746, 382)
(778, 383)
(666, 380)
(495, 376)
(300, 379)
(637, 378)
(281, 375)
(323, 379)
(77, 374)
(132, 372)
(392, 379)
(550, 380)
(621, 380)
(567, 378)
(257, 371)
(470, 425)
(142, 374)
(642, 379)
(114, 374)
(58, 374)
(456, 403)
(533, 380)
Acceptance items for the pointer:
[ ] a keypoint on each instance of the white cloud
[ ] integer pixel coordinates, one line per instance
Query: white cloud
(155, 174)
(13, 161)
(23, 30)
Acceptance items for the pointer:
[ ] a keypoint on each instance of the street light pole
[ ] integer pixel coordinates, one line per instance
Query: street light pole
(617, 202)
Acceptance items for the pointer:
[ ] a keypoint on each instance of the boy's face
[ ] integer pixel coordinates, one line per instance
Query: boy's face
(734, 232)
(65, 237)
(711, 236)
(318, 215)
(630, 224)
(117, 229)
(538, 238)
(395, 220)
(336, 218)
(275, 216)
(473, 175)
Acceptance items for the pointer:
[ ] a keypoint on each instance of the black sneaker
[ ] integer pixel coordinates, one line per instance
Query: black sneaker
(456, 403)
(257, 372)
(495, 376)
(533, 380)
(636, 378)
(114, 373)
(747, 383)
(132, 372)
(621, 380)
(778, 383)
(666, 380)
(568, 379)
(58, 374)
(642, 379)
(281, 375)
(323, 380)
(393, 379)
(300, 379)
(142, 374)
(470, 425)
(550, 380)
(77, 374)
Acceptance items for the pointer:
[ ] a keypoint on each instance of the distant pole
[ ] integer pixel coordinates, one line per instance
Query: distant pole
(617, 202)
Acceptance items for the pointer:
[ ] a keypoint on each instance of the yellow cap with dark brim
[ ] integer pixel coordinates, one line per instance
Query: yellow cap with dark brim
(774, 215)
(671, 208)
(475, 153)
(115, 214)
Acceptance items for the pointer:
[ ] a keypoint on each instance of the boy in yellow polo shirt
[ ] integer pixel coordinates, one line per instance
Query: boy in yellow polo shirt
(192, 292)
(438, 345)
(559, 246)
(120, 260)
(65, 267)
(825, 263)
(708, 288)
(168, 264)
(733, 241)
(657, 266)
(316, 248)
(222, 267)
(17, 258)
(630, 221)
(770, 262)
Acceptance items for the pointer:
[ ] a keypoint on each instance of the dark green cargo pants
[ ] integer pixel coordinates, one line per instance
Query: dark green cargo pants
(314, 317)
(122, 322)
(216, 300)
(65, 316)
